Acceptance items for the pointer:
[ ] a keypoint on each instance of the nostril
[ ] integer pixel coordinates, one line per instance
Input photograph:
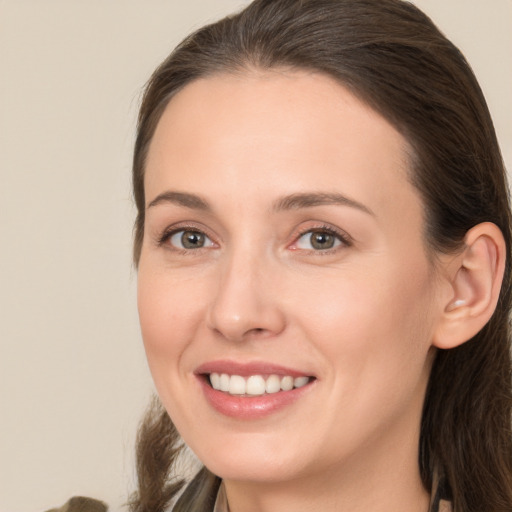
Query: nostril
(257, 331)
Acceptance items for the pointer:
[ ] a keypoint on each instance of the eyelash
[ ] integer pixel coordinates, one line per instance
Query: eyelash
(344, 239)
(169, 233)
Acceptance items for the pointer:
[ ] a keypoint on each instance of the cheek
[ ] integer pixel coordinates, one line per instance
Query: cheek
(374, 318)
(373, 331)
(170, 313)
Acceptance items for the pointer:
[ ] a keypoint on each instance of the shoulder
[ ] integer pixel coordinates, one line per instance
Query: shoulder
(81, 504)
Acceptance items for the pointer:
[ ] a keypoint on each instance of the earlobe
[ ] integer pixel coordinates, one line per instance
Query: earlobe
(475, 282)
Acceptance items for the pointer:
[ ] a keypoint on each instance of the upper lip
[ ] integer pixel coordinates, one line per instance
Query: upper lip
(246, 369)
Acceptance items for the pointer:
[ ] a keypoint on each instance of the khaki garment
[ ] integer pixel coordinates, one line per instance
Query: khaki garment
(81, 504)
(221, 504)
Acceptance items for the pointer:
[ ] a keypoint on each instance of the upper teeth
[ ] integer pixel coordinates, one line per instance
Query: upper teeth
(255, 384)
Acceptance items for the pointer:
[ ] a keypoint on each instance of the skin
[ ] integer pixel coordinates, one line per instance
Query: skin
(360, 316)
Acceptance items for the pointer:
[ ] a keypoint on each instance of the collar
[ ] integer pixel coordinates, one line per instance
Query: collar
(221, 503)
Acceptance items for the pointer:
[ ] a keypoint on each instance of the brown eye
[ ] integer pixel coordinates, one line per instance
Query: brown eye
(189, 239)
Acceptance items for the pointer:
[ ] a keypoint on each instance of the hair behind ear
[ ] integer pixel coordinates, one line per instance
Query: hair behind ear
(465, 426)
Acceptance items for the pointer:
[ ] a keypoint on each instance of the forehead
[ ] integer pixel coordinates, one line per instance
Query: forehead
(272, 131)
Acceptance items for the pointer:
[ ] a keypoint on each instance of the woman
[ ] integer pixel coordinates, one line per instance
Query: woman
(323, 242)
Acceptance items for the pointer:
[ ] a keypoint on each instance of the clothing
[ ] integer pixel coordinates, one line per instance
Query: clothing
(221, 503)
(81, 504)
(444, 506)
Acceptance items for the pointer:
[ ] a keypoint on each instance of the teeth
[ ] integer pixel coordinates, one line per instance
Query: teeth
(255, 385)
(300, 381)
(215, 380)
(287, 383)
(273, 384)
(237, 385)
(224, 382)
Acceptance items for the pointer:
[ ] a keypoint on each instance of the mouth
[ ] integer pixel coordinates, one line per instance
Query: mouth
(255, 385)
(252, 390)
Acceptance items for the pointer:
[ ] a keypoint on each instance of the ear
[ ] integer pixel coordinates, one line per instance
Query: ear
(474, 277)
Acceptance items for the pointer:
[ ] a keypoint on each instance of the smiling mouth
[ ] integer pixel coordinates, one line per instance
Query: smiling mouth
(255, 385)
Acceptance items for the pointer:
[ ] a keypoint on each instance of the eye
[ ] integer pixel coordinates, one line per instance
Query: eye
(189, 239)
(319, 240)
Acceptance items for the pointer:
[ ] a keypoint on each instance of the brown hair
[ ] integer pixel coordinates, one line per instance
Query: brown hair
(391, 56)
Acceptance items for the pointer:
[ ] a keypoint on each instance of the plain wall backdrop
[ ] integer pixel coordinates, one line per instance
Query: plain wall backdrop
(73, 379)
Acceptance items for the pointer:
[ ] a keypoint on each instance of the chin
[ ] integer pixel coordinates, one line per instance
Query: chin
(258, 461)
(254, 471)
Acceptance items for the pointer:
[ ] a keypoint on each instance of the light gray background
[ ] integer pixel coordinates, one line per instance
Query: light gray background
(73, 380)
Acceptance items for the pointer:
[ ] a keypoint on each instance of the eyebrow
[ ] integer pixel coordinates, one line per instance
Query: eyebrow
(290, 202)
(182, 199)
(308, 200)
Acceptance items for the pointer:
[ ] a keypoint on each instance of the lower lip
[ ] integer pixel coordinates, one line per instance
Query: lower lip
(251, 407)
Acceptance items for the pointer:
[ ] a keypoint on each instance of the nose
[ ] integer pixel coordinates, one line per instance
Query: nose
(246, 302)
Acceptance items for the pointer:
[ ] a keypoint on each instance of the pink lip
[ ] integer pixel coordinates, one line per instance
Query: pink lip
(247, 369)
(246, 407)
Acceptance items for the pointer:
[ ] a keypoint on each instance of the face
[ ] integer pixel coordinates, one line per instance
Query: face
(286, 300)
